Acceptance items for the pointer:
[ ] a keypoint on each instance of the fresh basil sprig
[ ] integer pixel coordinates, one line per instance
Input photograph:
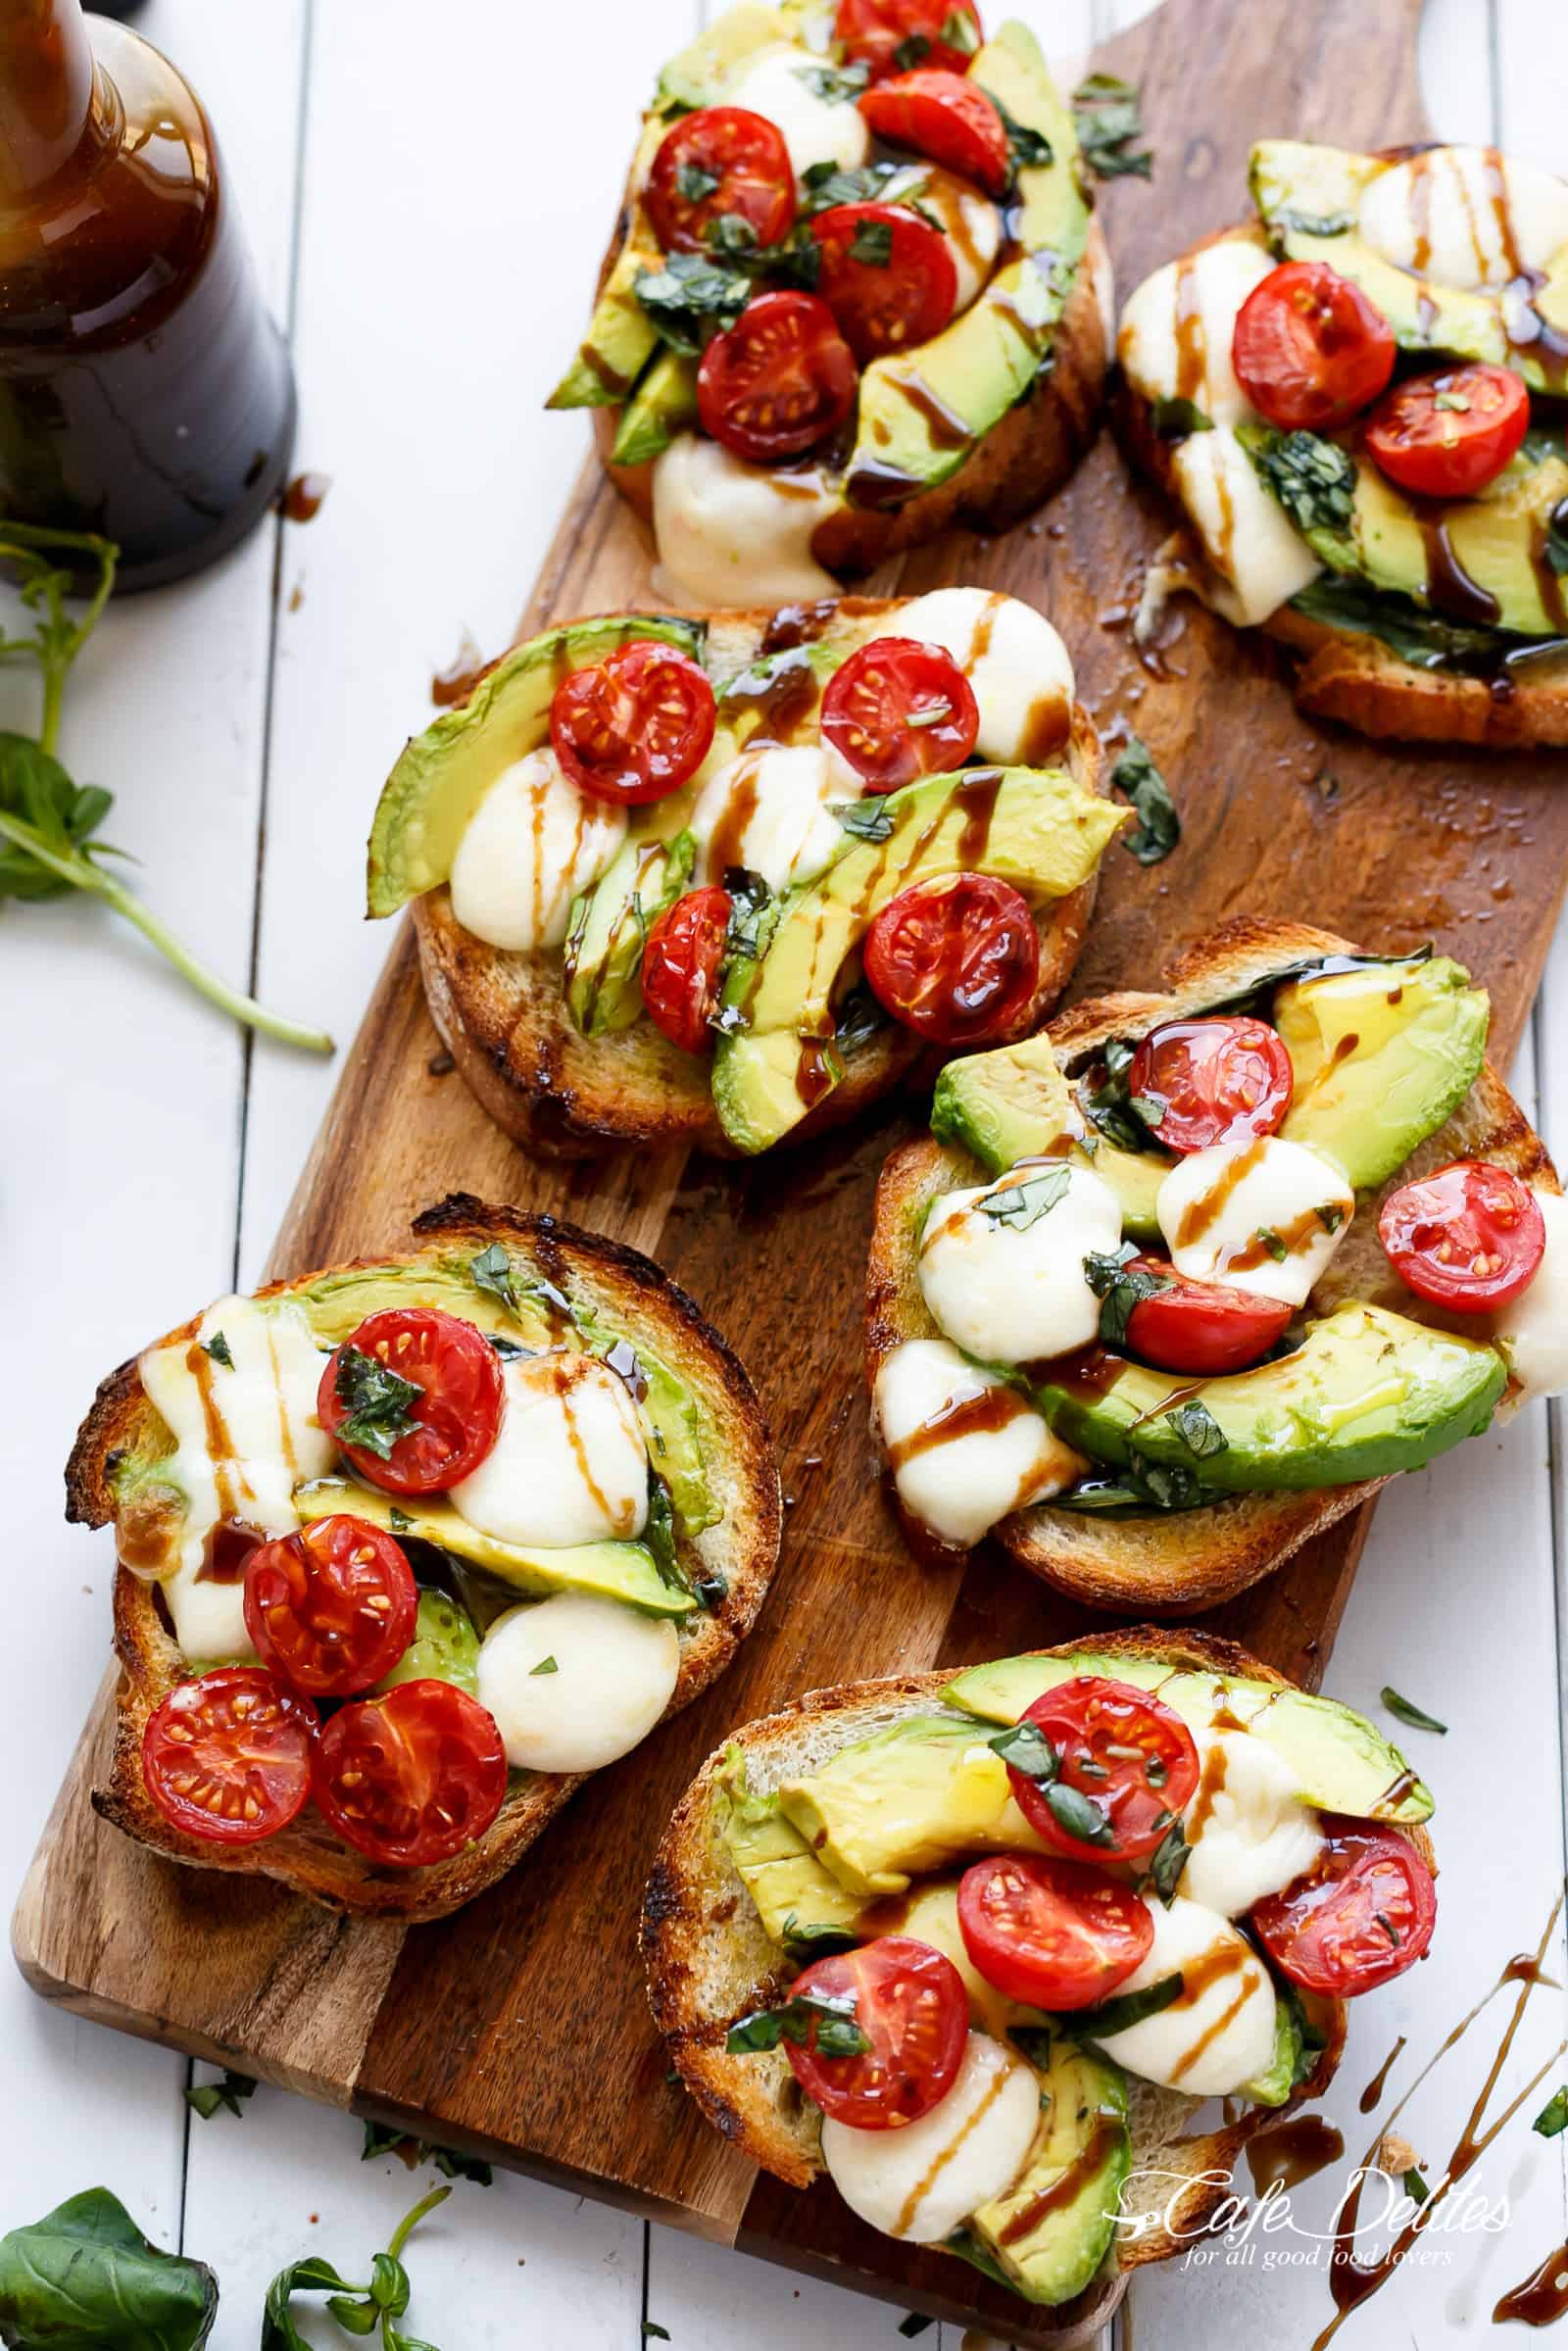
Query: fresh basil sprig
(823, 2022)
(357, 2309)
(85, 2277)
(377, 1400)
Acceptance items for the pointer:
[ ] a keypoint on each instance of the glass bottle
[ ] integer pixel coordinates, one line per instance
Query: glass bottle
(144, 391)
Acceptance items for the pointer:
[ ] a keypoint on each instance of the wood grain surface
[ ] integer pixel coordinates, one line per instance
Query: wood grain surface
(520, 2028)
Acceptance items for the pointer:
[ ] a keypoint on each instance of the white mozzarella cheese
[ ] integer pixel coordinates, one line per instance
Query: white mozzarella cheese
(1220, 2033)
(966, 1449)
(576, 1680)
(570, 1462)
(729, 533)
(531, 845)
(971, 222)
(1249, 1832)
(1227, 1212)
(780, 84)
(246, 1436)
(1017, 666)
(1010, 1293)
(1466, 216)
(769, 811)
(1177, 328)
(920, 2182)
(1533, 1332)
(1261, 557)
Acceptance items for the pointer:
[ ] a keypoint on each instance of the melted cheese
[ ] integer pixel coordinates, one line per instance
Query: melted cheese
(778, 83)
(611, 1674)
(570, 1462)
(966, 1449)
(920, 2182)
(1249, 1832)
(1466, 216)
(971, 222)
(1220, 2033)
(1009, 1295)
(532, 844)
(246, 1436)
(1533, 1331)
(1017, 666)
(769, 811)
(730, 533)
(1228, 1212)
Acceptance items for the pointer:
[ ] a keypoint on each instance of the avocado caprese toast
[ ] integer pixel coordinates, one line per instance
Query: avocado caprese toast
(856, 294)
(409, 1545)
(723, 881)
(979, 1946)
(1356, 400)
(1180, 1281)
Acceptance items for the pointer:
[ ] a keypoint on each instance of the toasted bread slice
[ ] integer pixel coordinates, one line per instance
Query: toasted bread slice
(640, 1302)
(503, 1017)
(710, 1963)
(1181, 1562)
(1357, 680)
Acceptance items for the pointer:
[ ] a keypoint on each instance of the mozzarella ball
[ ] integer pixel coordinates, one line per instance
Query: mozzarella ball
(1258, 1213)
(729, 533)
(575, 1681)
(532, 844)
(1260, 556)
(971, 222)
(920, 2182)
(999, 1457)
(1249, 1832)
(778, 83)
(570, 1462)
(1220, 2033)
(1533, 1330)
(1466, 216)
(1178, 326)
(769, 811)
(1007, 1285)
(1019, 669)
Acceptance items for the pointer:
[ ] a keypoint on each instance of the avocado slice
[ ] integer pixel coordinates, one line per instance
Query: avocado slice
(1309, 200)
(616, 1570)
(663, 403)
(443, 774)
(1050, 2233)
(621, 337)
(610, 927)
(1036, 828)
(1382, 1054)
(922, 417)
(445, 1646)
(1019, 1104)
(798, 1901)
(1293, 2055)
(700, 74)
(909, 1799)
(1341, 1761)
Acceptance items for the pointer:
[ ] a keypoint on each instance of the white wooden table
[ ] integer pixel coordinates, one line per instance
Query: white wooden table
(428, 191)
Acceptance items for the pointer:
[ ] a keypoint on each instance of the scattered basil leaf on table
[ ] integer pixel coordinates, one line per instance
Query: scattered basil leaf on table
(1140, 782)
(205, 2098)
(1554, 2116)
(84, 2276)
(1109, 121)
(381, 2139)
(1405, 1712)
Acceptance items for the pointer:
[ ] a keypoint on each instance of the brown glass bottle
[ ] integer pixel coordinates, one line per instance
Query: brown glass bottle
(144, 391)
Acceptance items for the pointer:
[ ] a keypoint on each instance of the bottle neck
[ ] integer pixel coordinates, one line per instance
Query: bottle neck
(46, 92)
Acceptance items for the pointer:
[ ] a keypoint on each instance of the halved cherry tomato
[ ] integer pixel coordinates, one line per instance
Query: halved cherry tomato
(957, 961)
(1471, 1237)
(1202, 1326)
(1210, 1078)
(1129, 1754)
(681, 964)
(947, 117)
(410, 1777)
(898, 709)
(227, 1757)
(890, 36)
(911, 2004)
(721, 160)
(333, 1608)
(636, 725)
(1448, 435)
(1362, 1914)
(888, 277)
(420, 1444)
(778, 381)
(1051, 1933)
(1310, 349)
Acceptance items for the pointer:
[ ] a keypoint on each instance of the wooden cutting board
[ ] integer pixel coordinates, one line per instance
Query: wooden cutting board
(519, 2029)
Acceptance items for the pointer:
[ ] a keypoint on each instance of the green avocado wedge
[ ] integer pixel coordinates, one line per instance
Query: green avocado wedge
(1381, 1055)
(1017, 1102)
(1050, 2233)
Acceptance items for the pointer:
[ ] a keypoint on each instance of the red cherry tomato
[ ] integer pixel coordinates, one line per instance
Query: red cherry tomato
(957, 961)
(898, 709)
(721, 160)
(777, 381)
(1220, 1076)
(227, 1757)
(888, 277)
(1201, 1326)
(946, 118)
(636, 725)
(681, 964)
(1471, 1237)
(911, 2004)
(1362, 1914)
(874, 34)
(1310, 349)
(1119, 1746)
(1448, 435)
(432, 1440)
(410, 1777)
(1051, 1933)
(333, 1608)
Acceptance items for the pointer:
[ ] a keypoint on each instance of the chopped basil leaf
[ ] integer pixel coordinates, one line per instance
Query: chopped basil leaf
(1168, 1862)
(1020, 1205)
(1415, 2187)
(1083, 1817)
(1122, 1119)
(546, 1665)
(836, 85)
(1270, 1241)
(732, 236)
(398, 1520)
(1557, 549)
(914, 2325)
(658, 1533)
(1554, 2116)
(1118, 2015)
(694, 182)
(872, 243)
(870, 819)
(217, 1348)
(1154, 1772)
(1313, 479)
(1105, 115)
(1168, 1486)
(690, 297)
(1198, 1429)
(491, 1272)
(1330, 1218)
(1311, 224)
(1340, 600)
(711, 1591)
(1120, 1287)
(652, 2333)
(822, 2022)
(1405, 1712)
(383, 2138)
(906, 55)
(1027, 1750)
(1158, 828)
(1174, 419)
(1027, 149)
(827, 185)
(803, 1941)
(206, 2097)
(378, 1402)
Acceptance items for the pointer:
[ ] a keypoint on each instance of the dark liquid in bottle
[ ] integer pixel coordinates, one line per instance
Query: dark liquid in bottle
(144, 391)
